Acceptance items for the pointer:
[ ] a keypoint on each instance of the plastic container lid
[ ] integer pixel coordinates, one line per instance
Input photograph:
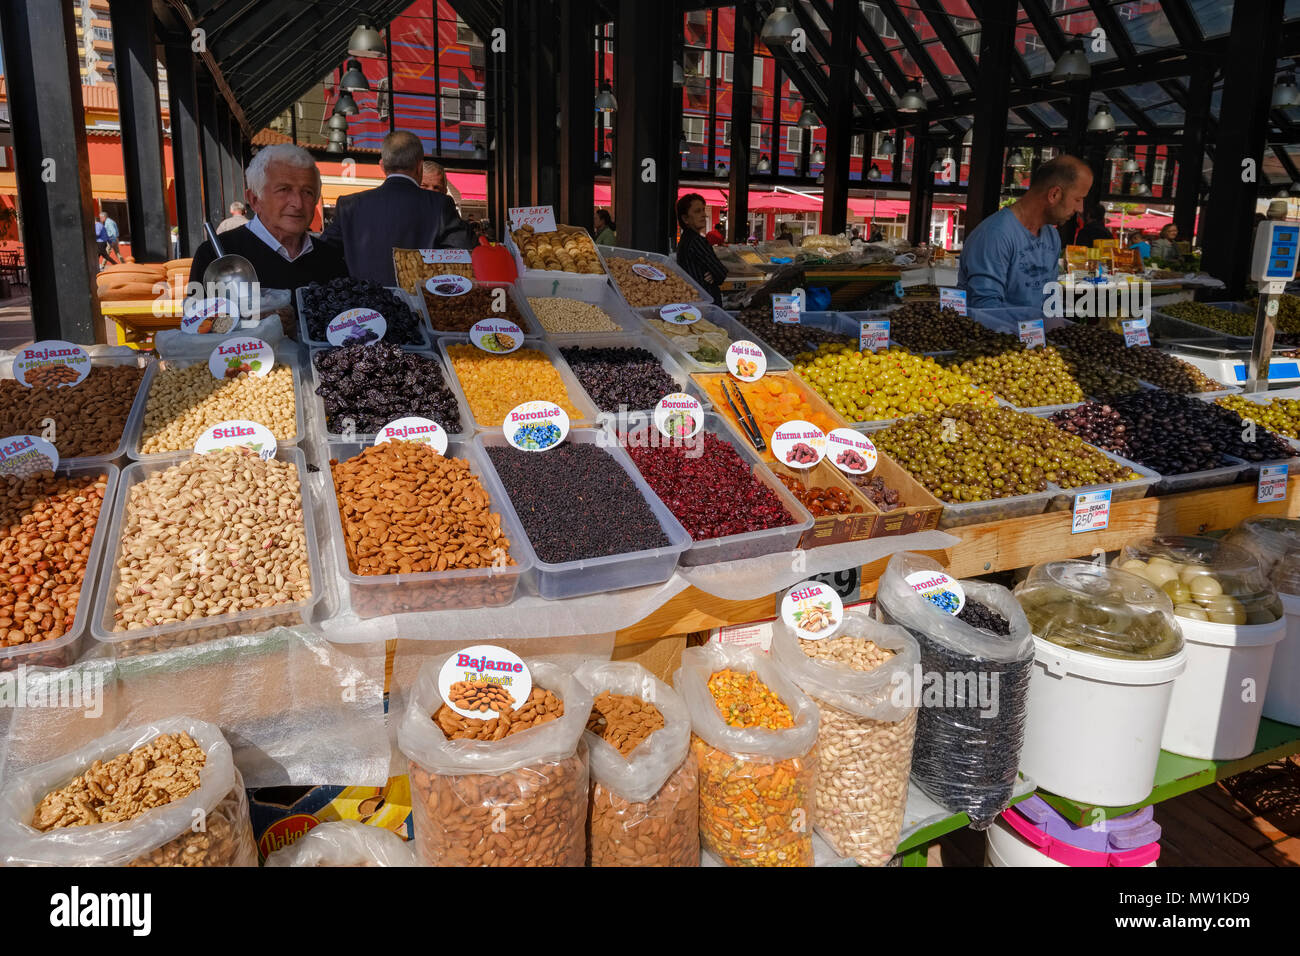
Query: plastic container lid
(1275, 543)
(1099, 610)
(1107, 835)
(1207, 580)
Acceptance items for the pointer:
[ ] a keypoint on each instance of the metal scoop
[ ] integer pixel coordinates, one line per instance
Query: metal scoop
(226, 271)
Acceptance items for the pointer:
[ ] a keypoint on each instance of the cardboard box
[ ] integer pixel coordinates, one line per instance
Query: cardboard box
(923, 509)
(832, 529)
(281, 815)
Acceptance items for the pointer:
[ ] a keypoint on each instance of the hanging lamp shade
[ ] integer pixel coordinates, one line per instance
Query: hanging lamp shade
(1101, 121)
(1016, 159)
(605, 102)
(1073, 64)
(912, 101)
(346, 105)
(887, 145)
(338, 136)
(937, 165)
(764, 164)
(721, 171)
(779, 26)
(1130, 166)
(334, 147)
(969, 138)
(808, 119)
(821, 178)
(607, 161)
(1285, 93)
(1117, 153)
(818, 155)
(873, 173)
(353, 78)
(338, 121)
(368, 42)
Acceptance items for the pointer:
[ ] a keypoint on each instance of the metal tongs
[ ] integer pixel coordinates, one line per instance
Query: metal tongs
(746, 421)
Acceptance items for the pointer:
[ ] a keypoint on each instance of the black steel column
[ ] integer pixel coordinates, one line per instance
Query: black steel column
(519, 153)
(577, 118)
(644, 147)
(1243, 125)
(236, 159)
(52, 168)
(187, 162)
(742, 108)
(1076, 130)
(229, 157)
(989, 129)
(544, 65)
(839, 124)
(711, 134)
(920, 196)
(1191, 157)
(213, 198)
(141, 120)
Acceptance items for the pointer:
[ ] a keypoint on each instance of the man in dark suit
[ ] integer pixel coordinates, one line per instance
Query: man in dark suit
(399, 214)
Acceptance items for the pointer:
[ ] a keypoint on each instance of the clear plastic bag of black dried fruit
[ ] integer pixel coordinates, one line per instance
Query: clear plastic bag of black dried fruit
(971, 688)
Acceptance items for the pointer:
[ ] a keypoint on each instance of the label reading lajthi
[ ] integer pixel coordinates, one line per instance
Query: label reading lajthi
(22, 456)
(243, 355)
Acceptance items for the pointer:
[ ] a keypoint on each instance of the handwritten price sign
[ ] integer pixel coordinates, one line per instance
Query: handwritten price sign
(541, 218)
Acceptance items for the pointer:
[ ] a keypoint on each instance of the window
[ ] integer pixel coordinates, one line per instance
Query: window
(466, 35)
(728, 65)
(1032, 42)
(794, 140)
(471, 107)
(876, 17)
(857, 144)
(1158, 172)
(695, 62)
(757, 136)
(102, 33)
(693, 128)
(451, 106)
(697, 18)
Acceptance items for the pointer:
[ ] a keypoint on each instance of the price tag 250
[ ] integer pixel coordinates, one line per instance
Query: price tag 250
(1091, 511)
(1135, 333)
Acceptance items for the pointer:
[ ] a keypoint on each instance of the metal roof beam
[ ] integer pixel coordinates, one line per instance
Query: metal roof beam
(1183, 23)
(1115, 32)
(913, 46)
(824, 51)
(942, 26)
(884, 59)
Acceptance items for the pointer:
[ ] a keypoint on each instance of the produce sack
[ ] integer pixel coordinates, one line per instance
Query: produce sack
(756, 784)
(517, 801)
(209, 826)
(972, 691)
(1275, 543)
(864, 744)
(644, 808)
(345, 843)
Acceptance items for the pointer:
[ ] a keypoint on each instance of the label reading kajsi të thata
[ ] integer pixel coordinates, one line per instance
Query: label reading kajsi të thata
(812, 610)
(496, 335)
(536, 426)
(851, 452)
(799, 444)
(679, 313)
(484, 680)
(415, 428)
(51, 364)
(356, 327)
(238, 434)
(746, 361)
(22, 456)
(239, 356)
(939, 589)
(679, 415)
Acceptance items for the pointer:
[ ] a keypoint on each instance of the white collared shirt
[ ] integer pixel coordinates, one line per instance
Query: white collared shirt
(256, 227)
(403, 176)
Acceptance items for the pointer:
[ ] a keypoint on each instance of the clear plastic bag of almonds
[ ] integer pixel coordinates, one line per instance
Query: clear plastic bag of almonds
(345, 843)
(864, 743)
(757, 785)
(645, 803)
(517, 801)
(162, 794)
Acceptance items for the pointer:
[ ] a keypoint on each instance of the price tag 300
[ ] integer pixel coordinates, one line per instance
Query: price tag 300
(873, 336)
(1272, 483)
(1091, 511)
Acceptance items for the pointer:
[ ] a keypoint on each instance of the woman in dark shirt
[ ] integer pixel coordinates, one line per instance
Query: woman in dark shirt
(694, 254)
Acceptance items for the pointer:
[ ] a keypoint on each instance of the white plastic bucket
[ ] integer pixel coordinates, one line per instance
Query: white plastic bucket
(1003, 846)
(1094, 724)
(1217, 702)
(1283, 700)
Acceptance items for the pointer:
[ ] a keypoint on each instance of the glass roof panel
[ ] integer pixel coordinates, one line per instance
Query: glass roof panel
(1292, 11)
(1032, 50)
(1049, 114)
(1146, 24)
(1213, 16)
(1080, 25)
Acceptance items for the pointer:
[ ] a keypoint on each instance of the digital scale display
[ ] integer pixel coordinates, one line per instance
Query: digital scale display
(1282, 254)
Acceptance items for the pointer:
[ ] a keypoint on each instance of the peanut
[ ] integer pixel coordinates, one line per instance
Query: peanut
(570, 315)
(88, 418)
(183, 403)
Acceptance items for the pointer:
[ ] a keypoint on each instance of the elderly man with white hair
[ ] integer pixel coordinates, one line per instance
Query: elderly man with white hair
(283, 190)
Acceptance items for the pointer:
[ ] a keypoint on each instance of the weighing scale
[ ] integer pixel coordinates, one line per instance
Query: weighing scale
(1272, 266)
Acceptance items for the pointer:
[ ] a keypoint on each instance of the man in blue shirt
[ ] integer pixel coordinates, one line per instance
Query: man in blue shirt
(1011, 255)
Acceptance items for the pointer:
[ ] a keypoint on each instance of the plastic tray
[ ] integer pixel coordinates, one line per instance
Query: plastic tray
(136, 359)
(776, 362)
(377, 595)
(595, 575)
(412, 301)
(183, 633)
(464, 426)
(537, 286)
(1229, 473)
(666, 263)
(576, 394)
(1120, 491)
(1171, 327)
(288, 353)
(979, 512)
(734, 547)
(666, 361)
(533, 331)
(65, 650)
(573, 285)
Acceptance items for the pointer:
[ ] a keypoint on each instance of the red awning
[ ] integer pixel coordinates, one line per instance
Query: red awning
(784, 202)
(1147, 222)
(472, 186)
(712, 197)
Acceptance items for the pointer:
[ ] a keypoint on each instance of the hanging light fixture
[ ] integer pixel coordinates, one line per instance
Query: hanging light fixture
(679, 77)
(1102, 121)
(368, 42)
(605, 102)
(969, 138)
(873, 173)
(353, 78)
(1295, 189)
(887, 145)
(338, 136)
(818, 155)
(779, 26)
(1073, 64)
(937, 165)
(821, 179)
(808, 119)
(721, 171)
(1117, 153)
(607, 161)
(912, 101)
(338, 121)
(764, 164)
(334, 147)
(479, 151)
(1138, 179)
(1144, 190)
(1285, 93)
(1016, 159)
(346, 105)
(1130, 166)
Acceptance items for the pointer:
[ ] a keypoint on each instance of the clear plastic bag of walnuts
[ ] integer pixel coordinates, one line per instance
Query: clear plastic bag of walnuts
(864, 744)
(644, 806)
(209, 826)
(518, 801)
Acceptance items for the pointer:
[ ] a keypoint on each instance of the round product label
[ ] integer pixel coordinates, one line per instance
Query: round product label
(496, 335)
(680, 314)
(679, 415)
(799, 444)
(415, 429)
(536, 426)
(649, 272)
(52, 363)
(203, 316)
(22, 456)
(356, 327)
(939, 589)
(234, 434)
(449, 285)
(851, 452)
(243, 355)
(812, 610)
(746, 361)
(482, 681)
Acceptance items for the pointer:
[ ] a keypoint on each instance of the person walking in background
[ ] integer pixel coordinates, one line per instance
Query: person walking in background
(604, 231)
(113, 233)
(236, 218)
(717, 236)
(102, 244)
(694, 254)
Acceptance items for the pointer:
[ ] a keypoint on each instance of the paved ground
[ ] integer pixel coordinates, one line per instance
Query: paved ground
(15, 321)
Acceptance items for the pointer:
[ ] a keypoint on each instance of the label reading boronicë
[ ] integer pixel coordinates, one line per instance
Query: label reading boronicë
(243, 355)
(415, 428)
(851, 452)
(536, 426)
(649, 272)
(24, 455)
(746, 361)
(356, 327)
(52, 363)
(203, 316)
(812, 610)
(238, 434)
(873, 336)
(481, 681)
(679, 415)
(799, 444)
(496, 335)
(435, 256)
(680, 314)
(448, 285)
(939, 589)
